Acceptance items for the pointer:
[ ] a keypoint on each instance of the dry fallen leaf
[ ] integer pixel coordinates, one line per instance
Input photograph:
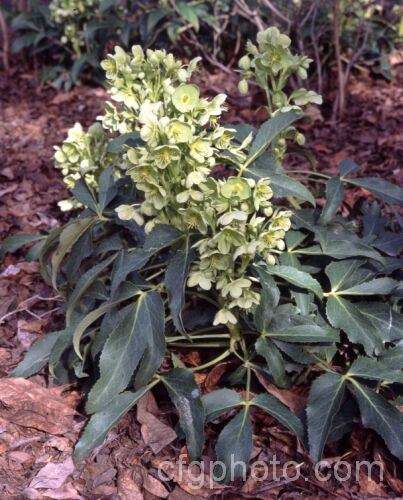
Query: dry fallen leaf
(27, 404)
(155, 433)
(53, 475)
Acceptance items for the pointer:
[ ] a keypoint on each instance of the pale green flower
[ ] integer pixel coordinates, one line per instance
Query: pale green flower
(128, 212)
(166, 154)
(236, 187)
(186, 97)
(201, 149)
(179, 132)
(229, 217)
(262, 193)
(201, 279)
(225, 316)
(235, 288)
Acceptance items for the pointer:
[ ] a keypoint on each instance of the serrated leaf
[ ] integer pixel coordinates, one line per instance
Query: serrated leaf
(284, 185)
(70, 234)
(381, 416)
(85, 281)
(15, 242)
(324, 402)
(275, 362)
(372, 369)
(269, 299)
(175, 282)
(116, 145)
(347, 167)
(377, 286)
(296, 277)
(37, 356)
(83, 194)
(345, 315)
(304, 334)
(127, 263)
(161, 237)
(124, 348)
(346, 273)
(343, 249)
(185, 394)
(279, 411)
(393, 357)
(334, 198)
(234, 447)
(386, 191)
(218, 402)
(102, 422)
(269, 131)
(107, 189)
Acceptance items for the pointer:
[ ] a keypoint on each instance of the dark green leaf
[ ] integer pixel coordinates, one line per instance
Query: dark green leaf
(83, 194)
(116, 145)
(393, 357)
(269, 131)
(107, 188)
(124, 348)
(185, 394)
(102, 422)
(279, 411)
(374, 370)
(325, 398)
(299, 278)
(347, 167)
(345, 315)
(274, 360)
(305, 333)
(381, 416)
(386, 191)
(334, 198)
(15, 242)
(175, 282)
(161, 237)
(37, 356)
(127, 263)
(234, 447)
(218, 402)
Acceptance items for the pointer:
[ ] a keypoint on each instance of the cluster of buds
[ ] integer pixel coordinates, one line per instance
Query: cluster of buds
(72, 15)
(83, 155)
(270, 63)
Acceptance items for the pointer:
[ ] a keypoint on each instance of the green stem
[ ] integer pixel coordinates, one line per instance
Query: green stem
(200, 345)
(218, 336)
(309, 173)
(248, 380)
(219, 358)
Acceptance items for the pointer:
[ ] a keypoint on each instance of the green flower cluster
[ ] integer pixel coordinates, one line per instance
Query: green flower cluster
(83, 155)
(270, 63)
(72, 15)
(182, 142)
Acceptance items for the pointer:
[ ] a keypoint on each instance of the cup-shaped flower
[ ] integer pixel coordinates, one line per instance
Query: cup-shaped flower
(186, 97)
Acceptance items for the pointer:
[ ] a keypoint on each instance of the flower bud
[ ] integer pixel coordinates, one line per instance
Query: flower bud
(300, 139)
(281, 142)
(243, 87)
(244, 63)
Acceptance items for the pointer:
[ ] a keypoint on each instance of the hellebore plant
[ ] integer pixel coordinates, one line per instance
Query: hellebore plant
(168, 253)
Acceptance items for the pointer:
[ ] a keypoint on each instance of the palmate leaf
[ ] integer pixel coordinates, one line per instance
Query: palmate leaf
(161, 236)
(302, 334)
(218, 402)
(37, 356)
(279, 411)
(334, 198)
(102, 422)
(124, 348)
(175, 281)
(127, 263)
(185, 394)
(347, 273)
(70, 234)
(269, 131)
(343, 314)
(372, 369)
(386, 191)
(15, 242)
(274, 359)
(377, 286)
(381, 416)
(325, 398)
(296, 277)
(234, 447)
